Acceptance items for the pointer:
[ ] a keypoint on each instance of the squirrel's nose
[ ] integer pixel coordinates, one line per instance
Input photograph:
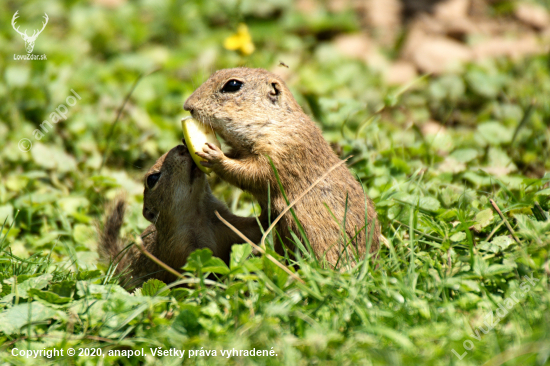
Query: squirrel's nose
(189, 105)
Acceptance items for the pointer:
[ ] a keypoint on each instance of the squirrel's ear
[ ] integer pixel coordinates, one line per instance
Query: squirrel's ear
(275, 89)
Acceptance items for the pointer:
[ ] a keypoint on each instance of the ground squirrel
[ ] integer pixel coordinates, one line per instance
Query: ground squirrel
(179, 204)
(255, 113)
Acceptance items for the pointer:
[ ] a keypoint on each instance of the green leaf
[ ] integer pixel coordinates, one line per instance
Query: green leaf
(397, 337)
(152, 288)
(52, 157)
(254, 264)
(17, 75)
(6, 211)
(5, 289)
(71, 205)
(11, 320)
(458, 237)
(448, 86)
(49, 296)
(488, 247)
(497, 269)
(84, 234)
(63, 288)
(483, 219)
(216, 265)
(400, 165)
(197, 259)
(88, 275)
(495, 133)
(422, 306)
(239, 253)
(486, 83)
(430, 204)
(38, 282)
(470, 285)
(464, 155)
(480, 266)
(85, 288)
(477, 179)
(503, 242)
(180, 294)
(187, 321)
(234, 288)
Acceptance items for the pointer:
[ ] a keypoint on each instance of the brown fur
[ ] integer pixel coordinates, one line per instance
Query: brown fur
(263, 119)
(181, 208)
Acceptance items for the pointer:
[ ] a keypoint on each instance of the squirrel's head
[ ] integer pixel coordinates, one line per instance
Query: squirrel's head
(173, 186)
(242, 104)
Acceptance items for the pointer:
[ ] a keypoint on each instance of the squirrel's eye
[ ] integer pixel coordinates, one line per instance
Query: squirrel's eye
(231, 86)
(152, 180)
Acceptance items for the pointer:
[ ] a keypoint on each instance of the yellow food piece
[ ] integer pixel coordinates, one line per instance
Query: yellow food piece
(197, 134)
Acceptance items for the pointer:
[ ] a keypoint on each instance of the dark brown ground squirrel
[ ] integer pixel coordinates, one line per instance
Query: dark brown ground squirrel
(179, 204)
(255, 113)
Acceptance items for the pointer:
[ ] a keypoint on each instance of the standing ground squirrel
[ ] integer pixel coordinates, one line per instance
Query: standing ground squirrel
(179, 204)
(255, 113)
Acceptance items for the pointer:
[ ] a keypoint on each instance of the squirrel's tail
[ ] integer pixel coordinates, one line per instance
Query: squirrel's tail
(110, 243)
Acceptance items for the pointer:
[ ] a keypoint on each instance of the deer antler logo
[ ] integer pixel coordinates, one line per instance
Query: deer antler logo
(29, 41)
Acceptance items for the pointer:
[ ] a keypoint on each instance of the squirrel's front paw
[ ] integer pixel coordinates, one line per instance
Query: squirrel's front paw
(211, 155)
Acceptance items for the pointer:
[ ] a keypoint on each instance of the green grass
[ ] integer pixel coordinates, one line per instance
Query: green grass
(449, 261)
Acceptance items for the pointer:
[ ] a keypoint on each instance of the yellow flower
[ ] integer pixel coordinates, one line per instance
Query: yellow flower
(240, 41)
